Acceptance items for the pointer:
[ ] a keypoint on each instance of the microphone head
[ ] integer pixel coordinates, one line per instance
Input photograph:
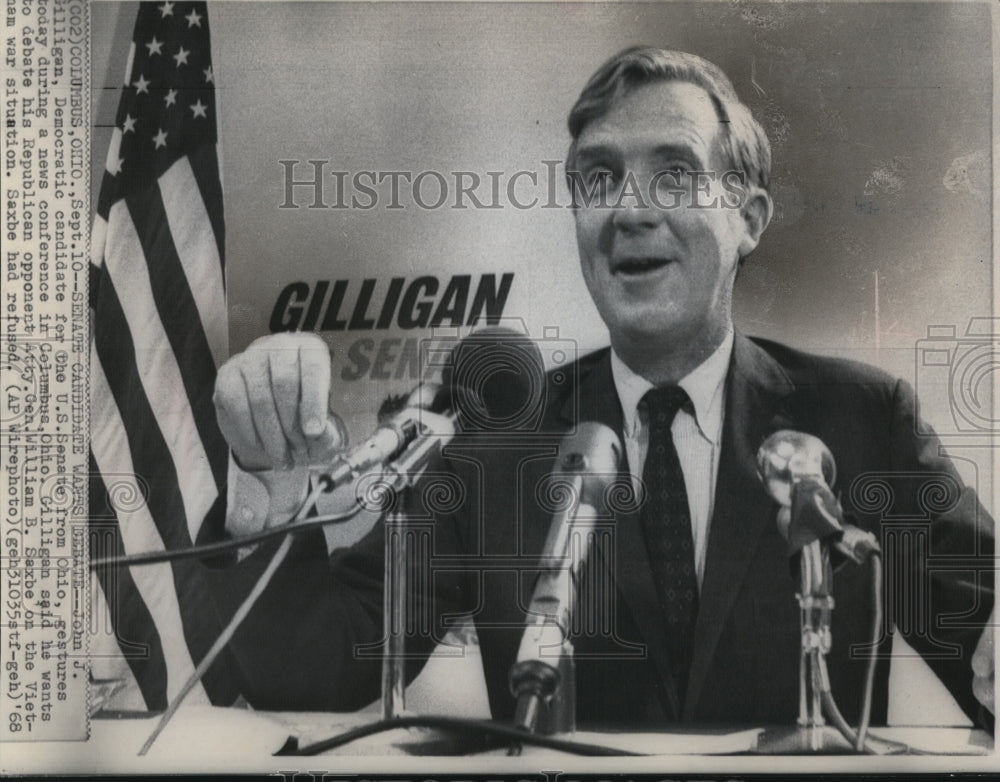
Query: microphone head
(787, 457)
(496, 381)
(595, 452)
(592, 448)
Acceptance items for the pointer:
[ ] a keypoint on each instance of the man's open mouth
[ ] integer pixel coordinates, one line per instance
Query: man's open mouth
(637, 266)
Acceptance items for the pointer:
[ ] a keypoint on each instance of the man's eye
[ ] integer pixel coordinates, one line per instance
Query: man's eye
(677, 170)
(601, 176)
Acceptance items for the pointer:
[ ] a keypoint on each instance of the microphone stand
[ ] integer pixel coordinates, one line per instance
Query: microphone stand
(394, 614)
(797, 470)
(543, 680)
(815, 607)
(811, 733)
(543, 677)
(401, 476)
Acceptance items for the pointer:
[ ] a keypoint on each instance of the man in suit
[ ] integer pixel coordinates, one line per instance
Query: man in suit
(694, 614)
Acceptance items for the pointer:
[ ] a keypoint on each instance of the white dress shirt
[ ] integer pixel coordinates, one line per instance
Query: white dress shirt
(697, 438)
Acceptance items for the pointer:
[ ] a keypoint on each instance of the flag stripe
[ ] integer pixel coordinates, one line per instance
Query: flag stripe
(207, 172)
(111, 161)
(107, 661)
(157, 367)
(94, 292)
(110, 192)
(189, 223)
(128, 64)
(97, 236)
(150, 459)
(155, 583)
(213, 526)
(174, 298)
(132, 624)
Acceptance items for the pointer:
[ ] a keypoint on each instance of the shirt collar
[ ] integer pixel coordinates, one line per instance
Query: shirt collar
(704, 386)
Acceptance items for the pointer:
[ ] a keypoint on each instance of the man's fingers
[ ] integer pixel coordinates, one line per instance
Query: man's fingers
(242, 438)
(329, 442)
(314, 374)
(272, 403)
(264, 414)
(283, 372)
(232, 408)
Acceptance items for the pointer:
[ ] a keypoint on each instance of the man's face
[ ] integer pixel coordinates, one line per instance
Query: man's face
(659, 268)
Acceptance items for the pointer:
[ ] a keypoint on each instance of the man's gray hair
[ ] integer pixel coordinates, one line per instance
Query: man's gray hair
(743, 139)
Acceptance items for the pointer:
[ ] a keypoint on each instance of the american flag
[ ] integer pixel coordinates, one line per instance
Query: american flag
(159, 332)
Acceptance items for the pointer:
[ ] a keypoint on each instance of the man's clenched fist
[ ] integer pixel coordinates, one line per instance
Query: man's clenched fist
(272, 403)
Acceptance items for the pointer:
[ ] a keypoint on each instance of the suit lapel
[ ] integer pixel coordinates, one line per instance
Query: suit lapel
(743, 510)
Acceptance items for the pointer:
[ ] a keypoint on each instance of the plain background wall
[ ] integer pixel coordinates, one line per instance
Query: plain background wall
(880, 117)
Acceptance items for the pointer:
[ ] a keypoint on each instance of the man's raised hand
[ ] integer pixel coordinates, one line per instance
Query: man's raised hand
(272, 403)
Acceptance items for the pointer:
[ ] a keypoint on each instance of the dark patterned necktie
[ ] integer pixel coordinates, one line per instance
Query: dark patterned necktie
(666, 523)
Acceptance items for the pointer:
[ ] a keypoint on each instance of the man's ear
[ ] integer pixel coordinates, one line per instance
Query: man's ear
(756, 212)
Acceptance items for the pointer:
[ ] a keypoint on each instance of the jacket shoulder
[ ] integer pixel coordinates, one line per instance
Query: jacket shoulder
(812, 368)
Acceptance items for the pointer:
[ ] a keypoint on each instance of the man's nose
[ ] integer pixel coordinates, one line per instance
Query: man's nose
(634, 212)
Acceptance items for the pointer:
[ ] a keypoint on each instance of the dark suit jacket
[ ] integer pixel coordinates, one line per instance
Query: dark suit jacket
(311, 643)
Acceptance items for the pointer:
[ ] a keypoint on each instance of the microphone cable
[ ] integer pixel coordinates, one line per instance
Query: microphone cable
(223, 546)
(296, 525)
(485, 729)
(866, 705)
(857, 740)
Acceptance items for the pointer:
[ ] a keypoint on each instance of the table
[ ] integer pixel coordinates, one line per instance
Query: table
(213, 739)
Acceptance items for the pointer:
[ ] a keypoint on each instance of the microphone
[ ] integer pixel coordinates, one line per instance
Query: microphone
(797, 470)
(488, 377)
(496, 380)
(587, 464)
(391, 437)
